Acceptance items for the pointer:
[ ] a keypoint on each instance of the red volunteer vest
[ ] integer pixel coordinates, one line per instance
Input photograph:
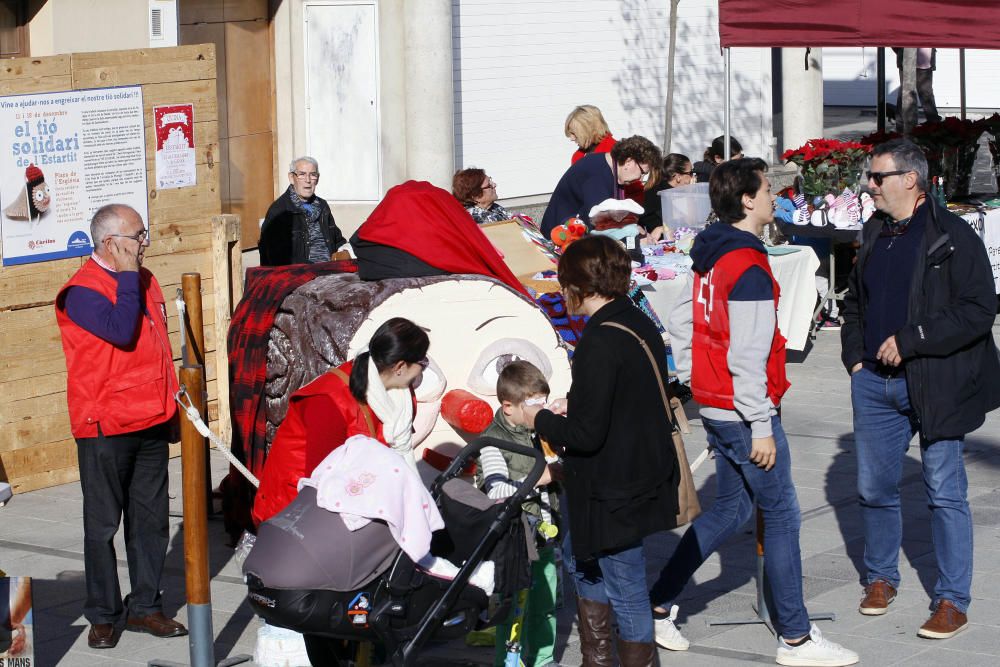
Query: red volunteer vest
(286, 460)
(121, 389)
(711, 379)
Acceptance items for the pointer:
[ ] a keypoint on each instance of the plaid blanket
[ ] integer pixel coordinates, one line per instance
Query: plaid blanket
(266, 289)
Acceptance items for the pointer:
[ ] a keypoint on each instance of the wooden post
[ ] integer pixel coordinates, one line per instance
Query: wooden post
(196, 575)
(194, 332)
(227, 270)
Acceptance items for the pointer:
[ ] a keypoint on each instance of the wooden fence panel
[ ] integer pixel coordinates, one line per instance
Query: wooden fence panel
(36, 447)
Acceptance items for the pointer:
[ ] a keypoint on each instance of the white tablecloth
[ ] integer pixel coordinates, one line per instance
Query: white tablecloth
(795, 273)
(988, 227)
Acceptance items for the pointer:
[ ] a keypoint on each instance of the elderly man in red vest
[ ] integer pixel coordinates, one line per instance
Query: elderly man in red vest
(725, 337)
(120, 386)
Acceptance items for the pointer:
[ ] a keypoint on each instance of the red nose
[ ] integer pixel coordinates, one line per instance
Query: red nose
(463, 411)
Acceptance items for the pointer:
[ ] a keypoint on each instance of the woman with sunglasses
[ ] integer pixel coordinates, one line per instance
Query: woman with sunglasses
(477, 192)
(371, 395)
(599, 176)
(677, 172)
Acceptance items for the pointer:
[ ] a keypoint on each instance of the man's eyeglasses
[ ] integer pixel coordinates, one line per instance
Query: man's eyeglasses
(490, 184)
(310, 175)
(879, 176)
(138, 237)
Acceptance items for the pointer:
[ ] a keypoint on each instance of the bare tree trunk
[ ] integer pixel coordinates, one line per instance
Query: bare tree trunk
(668, 120)
(908, 83)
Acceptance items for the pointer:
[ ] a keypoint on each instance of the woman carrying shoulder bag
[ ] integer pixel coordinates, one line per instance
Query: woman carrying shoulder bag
(621, 471)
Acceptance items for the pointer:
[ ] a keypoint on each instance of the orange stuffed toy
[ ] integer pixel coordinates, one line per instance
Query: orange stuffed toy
(566, 233)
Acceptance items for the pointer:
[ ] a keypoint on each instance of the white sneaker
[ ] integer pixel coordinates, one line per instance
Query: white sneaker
(667, 634)
(816, 652)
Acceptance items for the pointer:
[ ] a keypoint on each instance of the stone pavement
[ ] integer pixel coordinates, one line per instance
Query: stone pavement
(41, 536)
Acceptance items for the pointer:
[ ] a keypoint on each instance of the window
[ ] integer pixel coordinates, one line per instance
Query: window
(13, 28)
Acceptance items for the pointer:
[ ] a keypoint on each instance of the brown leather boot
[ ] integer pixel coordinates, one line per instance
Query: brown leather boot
(594, 623)
(636, 654)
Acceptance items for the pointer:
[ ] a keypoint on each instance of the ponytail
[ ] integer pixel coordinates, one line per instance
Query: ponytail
(359, 377)
(398, 339)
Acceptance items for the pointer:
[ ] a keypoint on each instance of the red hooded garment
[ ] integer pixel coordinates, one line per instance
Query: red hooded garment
(430, 224)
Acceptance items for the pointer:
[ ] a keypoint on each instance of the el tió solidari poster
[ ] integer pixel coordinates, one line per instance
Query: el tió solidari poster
(62, 156)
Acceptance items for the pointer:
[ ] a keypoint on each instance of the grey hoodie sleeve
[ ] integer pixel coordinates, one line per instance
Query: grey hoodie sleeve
(751, 332)
(680, 326)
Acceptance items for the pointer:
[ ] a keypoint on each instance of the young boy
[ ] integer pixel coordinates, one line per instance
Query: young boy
(725, 339)
(520, 382)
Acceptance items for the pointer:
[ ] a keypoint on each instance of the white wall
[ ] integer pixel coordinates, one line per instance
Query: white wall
(77, 26)
(849, 77)
(521, 66)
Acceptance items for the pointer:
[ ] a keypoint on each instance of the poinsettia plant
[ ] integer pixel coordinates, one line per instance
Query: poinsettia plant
(829, 165)
(950, 146)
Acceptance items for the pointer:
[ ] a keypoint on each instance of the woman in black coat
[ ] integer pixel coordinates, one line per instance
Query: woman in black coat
(620, 468)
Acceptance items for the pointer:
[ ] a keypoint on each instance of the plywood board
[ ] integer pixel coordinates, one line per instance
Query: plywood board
(36, 447)
(245, 10)
(40, 385)
(250, 183)
(523, 257)
(212, 33)
(200, 11)
(143, 66)
(248, 84)
(45, 479)
(35, 75)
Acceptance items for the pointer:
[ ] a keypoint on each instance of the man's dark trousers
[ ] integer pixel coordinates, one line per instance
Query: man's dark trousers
(127, 474)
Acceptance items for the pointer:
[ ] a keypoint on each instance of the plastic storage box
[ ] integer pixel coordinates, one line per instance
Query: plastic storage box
(686, 206)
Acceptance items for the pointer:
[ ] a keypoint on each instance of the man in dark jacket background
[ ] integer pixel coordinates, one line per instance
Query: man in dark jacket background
(299, 227)
(917, 340)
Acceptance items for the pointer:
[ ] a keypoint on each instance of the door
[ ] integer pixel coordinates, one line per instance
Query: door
(342, 125)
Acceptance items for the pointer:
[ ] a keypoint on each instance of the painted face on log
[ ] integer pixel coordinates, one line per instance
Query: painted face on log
(476, 327)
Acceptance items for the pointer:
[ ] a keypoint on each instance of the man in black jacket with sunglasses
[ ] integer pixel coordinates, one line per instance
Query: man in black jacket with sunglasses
(918, 342)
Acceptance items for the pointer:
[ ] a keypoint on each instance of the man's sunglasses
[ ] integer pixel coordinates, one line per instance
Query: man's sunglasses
(879, 176)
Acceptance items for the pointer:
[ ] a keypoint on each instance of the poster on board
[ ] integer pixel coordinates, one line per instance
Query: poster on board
(174, 146)
(62, 156)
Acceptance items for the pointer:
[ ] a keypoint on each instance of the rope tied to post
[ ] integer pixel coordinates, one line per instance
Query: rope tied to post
(184, 401)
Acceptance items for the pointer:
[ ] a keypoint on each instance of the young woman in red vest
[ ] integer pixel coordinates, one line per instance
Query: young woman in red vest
(725, 339)
(371, 395)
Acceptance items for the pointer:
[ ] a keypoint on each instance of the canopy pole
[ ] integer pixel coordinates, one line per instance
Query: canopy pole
(725, 124)
(961, 79)
(880, 77)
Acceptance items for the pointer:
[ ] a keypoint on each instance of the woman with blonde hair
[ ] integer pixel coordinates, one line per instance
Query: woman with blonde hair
(586, 127)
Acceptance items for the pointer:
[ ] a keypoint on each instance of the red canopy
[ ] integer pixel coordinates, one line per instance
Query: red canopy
(971, 24)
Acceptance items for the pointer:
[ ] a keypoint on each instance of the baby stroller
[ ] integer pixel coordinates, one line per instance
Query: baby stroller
(373, 591)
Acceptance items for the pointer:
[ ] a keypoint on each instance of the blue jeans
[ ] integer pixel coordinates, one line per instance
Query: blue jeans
(884, 424)
(740, 483)
(618, 579)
